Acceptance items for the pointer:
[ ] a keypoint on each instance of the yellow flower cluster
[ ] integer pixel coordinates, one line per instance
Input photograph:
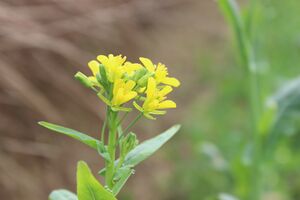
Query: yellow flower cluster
(118, 81)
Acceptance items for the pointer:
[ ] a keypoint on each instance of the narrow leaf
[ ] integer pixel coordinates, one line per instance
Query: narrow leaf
(232, 14)
(287, 101)
(86, 139)
(88, 188)
(288, 96)
(62, 195)
(147, 148)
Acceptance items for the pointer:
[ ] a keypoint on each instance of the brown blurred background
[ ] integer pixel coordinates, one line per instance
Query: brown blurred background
(42, 45)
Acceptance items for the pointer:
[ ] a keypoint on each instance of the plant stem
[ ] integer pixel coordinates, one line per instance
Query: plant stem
(132, 123)
(110, 166)
(246, 53)
(104, 127)
(122, 119)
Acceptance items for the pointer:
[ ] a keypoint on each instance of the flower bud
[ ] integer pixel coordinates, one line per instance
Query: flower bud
(129, 142)
(139, 74)
(101, 77)
(142, 82)
(83, 79)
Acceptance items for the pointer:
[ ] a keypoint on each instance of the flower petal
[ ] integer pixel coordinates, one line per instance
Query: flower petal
(167, 104)
(166, 90)
(148, 64)
(151, 88)
(171, 81)
(128, 97)
(104, 60)
(94, 66)
(117, 85)
(130, 85)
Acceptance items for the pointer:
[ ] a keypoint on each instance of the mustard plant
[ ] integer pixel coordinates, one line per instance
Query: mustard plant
(123, 86)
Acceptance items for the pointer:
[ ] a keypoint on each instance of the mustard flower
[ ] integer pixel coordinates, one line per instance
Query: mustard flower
(120, 81)
(160, 72)
(113, 66)
(123, 92)
(155, 100)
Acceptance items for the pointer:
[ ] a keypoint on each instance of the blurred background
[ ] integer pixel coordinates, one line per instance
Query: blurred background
(43, 43)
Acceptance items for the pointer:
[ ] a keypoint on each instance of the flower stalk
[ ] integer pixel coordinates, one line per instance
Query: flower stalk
(117, 83)
(112, 119)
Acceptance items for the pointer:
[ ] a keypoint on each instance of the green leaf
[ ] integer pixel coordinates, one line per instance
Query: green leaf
(149, 147)
(232, 14)
(88, 140)
(88, 188)
(286, 123)
(62, 195)
(287, 97)
(287, 100)
(123, 176)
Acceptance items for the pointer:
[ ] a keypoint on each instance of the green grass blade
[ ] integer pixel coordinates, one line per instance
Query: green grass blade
(232, 14)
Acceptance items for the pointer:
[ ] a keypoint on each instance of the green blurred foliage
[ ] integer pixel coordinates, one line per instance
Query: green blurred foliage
(215, 155)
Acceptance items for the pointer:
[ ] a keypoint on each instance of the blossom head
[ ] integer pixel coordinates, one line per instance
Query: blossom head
(118, 81)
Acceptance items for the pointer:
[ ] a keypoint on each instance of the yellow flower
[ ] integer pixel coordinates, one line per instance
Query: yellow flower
(123, 92)
(161, 72)
(113, 66)
(155, 99)
(118, 82)
(94, 67)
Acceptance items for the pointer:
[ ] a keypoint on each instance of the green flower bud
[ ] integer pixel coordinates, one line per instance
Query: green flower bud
(83, 79)
(139, 74)
(102, 78)
(128, 143)
(142, 82)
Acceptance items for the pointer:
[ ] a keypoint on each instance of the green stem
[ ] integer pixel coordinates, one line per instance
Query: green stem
(110, 168)
(103, 128)
(94, 89)
(123, 118)
(132, 123)
(254, 99)
(246, 53)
